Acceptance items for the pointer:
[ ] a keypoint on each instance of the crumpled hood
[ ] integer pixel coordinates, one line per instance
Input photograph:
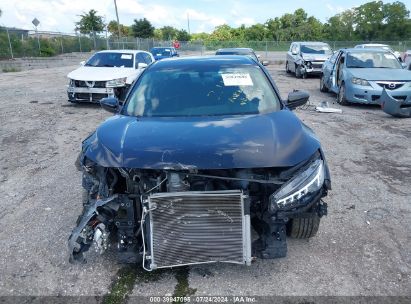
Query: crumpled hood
(315, 57)
(381, 74)
(101, 73)
(277, 139)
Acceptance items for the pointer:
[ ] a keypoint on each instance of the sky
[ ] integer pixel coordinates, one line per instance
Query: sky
(204, 15)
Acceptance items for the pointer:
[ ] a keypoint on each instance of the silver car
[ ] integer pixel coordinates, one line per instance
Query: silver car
(360, 76)
(304, 58)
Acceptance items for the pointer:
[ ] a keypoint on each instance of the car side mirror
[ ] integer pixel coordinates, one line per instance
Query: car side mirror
(404, 65)
(141, 65)
(297, 99)
(82, 63)
(265, 63)
(110, 104)
(294, 53)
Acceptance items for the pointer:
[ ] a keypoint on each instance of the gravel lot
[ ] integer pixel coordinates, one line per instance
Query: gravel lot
(363, 246)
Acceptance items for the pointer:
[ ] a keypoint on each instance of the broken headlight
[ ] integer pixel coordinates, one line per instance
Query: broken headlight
(361, 82)
(119, 82)
(298, 190)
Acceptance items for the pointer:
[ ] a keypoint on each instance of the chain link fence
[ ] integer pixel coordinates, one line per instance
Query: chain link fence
(18, 43)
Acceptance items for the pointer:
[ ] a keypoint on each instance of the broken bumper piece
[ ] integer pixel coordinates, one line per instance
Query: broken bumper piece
(82, 236)
(395, 107)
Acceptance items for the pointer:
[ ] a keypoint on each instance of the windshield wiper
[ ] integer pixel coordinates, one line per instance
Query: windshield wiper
(108, 65)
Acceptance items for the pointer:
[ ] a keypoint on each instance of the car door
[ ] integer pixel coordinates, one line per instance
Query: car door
(328, 66)
(331, 80)
(294, 50)
(289, 57)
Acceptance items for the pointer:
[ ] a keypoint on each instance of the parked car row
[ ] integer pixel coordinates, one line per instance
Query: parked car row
(367, 73)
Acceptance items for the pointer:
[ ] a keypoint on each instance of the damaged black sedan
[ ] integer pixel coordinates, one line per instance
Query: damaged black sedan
(202, 153)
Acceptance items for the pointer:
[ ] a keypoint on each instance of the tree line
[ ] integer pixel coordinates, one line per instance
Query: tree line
(370, 21)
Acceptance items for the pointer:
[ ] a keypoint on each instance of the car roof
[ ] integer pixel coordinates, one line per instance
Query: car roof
(362, 50)
(371, 44)
(235, 50)
(122, 51)
(311, 42)
(201, 61)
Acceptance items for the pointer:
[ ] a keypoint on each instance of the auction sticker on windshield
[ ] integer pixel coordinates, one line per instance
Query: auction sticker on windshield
(237, 79)
(126, 56)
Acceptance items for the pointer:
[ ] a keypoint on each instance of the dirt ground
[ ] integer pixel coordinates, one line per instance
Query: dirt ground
(363, 246)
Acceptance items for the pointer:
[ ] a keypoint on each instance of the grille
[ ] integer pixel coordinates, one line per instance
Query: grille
(390, 85)
(86, 96)
(317, 65)
(198, 227)
(83, 84)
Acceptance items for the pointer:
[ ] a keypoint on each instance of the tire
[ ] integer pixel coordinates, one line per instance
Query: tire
(303, 227)
(323, 87)
(298, 73)
(341, 97)
(286, 68)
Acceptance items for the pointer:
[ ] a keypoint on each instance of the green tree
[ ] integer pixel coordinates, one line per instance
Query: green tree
(168, 33)
(183, 35)
(90, 22)
(256, 32)
(199, 36)
(369, 19)
(274, 29)
(142, 28)
(397, 24)
(157, 34)
(113, 29)
(341, 26)
(222, 33)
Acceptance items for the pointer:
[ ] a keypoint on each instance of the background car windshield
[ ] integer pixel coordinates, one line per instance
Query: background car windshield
(315, 49)
(372, 60)
(161, 52)
(202, 92)
(111, 60)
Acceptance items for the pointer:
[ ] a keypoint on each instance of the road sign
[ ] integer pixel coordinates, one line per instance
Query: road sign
(36, 22)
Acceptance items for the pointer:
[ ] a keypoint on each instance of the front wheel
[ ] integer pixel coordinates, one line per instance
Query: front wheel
(298, 73)
(303, 227)
(341, 97)
(287, 69)
(323, 87)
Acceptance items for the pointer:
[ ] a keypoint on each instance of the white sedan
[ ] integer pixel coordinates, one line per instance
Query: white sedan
(106, 74)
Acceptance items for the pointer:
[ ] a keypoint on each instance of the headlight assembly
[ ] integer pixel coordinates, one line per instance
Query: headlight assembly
(119, 82)
(300, 188)
(360, 81)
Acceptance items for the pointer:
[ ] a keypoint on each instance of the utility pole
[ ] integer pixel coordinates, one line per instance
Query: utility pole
(118, 23)
(11, 49)
(188, 23)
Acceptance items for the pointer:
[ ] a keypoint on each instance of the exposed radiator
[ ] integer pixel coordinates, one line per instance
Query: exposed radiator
(198, 227)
